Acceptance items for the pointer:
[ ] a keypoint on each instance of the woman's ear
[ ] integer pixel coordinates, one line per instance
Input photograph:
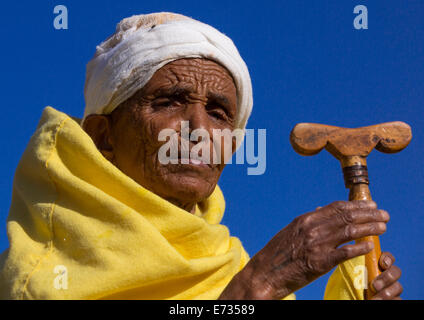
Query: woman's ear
(99, 128)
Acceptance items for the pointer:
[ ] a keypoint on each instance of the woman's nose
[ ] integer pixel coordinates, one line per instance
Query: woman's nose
(197, 116)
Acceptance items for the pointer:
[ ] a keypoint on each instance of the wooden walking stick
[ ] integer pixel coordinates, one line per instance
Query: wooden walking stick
(351, 147)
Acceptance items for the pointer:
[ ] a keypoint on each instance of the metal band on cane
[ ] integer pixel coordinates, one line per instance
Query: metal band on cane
(355, 174)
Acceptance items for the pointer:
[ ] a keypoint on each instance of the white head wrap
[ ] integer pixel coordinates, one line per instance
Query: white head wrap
(142, 44)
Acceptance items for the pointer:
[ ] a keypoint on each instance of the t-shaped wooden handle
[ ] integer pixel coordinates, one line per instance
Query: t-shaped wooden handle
(351, 147)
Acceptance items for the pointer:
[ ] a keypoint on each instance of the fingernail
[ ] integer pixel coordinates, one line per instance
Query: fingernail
(387, 261)
(378, 285)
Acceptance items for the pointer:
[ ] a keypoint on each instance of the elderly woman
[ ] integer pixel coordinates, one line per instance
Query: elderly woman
(96, 214)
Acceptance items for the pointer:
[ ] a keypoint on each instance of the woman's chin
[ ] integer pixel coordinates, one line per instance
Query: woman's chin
(188, 189)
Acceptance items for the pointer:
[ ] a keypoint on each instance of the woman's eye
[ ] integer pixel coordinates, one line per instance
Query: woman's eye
(168, 101)
(162, 102)
(217, 111)
(219, 114)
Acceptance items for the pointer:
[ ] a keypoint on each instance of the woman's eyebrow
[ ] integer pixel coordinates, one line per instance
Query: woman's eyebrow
(219, 98)
(224, 101)
(179, 90)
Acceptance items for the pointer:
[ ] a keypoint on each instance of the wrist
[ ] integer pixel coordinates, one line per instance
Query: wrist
(248, 284)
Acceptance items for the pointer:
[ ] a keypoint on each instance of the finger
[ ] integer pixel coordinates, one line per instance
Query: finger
(354, 205)
(386, 278)
(386, 260)
(328, 224)
(350, 251)
(360, 211)
(356, 231)
(389, 293)
(362, 216)
(335, 236)
(337, 207)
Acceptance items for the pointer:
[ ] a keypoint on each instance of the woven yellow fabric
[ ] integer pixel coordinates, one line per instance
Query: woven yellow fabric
(347, 281)
(81, 229)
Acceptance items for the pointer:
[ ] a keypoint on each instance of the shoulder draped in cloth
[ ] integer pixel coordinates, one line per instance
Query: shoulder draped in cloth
(74, 211)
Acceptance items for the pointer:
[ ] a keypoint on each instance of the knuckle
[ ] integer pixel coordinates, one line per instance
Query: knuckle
(297, 224)
(311, 236)
(339, 206)
(307, 220)
(377, 228)
(303, 222)
(347, 217)
(300, 219)
(337, 258)
(349, 232)
(396, 271)
(366, 204)
(345, 252)
(371, 204)
(390, 276)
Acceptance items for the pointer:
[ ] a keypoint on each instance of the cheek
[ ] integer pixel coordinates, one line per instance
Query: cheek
(129, 148)
(130, 136)
(159, 121)
(141, 136)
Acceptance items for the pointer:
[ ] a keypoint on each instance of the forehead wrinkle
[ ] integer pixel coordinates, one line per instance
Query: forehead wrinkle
(222, 84)
(173, 72)
(202, 72)
(195, 64)
(201, 80)
(200, 76)
(162, 79)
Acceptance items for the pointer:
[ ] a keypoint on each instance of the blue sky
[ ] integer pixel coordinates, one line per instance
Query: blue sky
(307, 63)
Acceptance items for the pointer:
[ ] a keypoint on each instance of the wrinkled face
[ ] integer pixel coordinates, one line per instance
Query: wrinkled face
(199, 91)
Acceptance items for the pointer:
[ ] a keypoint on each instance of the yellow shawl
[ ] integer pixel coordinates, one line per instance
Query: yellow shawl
(81, 229)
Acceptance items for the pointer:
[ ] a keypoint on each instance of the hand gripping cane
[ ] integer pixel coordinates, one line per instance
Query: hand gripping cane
(351, 147)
